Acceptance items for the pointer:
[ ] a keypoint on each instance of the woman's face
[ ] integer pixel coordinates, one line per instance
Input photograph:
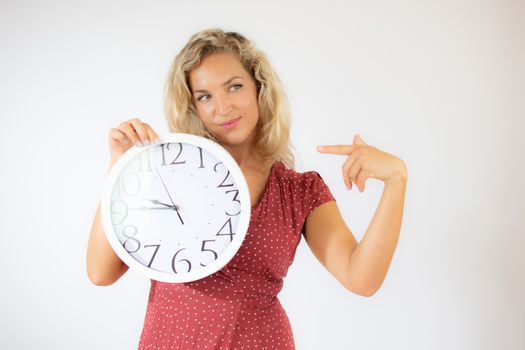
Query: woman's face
(225, 97)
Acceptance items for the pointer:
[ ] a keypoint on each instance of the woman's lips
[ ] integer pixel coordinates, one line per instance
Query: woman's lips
(230, 124)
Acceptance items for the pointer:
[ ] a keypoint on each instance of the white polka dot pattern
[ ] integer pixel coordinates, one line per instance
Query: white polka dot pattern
(237, 307)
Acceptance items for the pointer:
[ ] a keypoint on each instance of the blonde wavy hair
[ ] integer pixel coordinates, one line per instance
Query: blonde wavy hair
(273, 133)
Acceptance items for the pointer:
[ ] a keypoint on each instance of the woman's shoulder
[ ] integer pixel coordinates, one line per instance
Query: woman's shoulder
(302, 179)
(304, 190)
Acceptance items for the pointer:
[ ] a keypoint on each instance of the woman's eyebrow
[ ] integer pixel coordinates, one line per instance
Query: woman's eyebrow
(224, 84)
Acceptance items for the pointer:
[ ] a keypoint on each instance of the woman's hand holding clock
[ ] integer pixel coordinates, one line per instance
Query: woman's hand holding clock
(129, 133)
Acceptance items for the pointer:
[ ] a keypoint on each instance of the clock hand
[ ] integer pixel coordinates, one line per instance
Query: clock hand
(152, 208)
(155, 201)
(174, 206)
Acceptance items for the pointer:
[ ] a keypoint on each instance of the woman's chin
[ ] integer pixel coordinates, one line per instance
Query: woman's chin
(234, 139)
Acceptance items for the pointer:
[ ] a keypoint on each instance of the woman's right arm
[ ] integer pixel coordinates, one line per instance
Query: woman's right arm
(103, 265)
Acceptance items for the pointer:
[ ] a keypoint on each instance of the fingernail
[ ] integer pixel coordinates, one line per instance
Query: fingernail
(147, 143)
(156, 141)
(126, 141)
(138, 144)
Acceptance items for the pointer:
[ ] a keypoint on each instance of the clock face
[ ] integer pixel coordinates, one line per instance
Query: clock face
(176, 211)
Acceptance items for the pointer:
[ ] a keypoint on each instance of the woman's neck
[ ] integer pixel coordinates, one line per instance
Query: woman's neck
(247, 158)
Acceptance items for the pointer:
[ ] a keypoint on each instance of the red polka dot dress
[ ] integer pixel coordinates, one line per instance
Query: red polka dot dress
(237, 307)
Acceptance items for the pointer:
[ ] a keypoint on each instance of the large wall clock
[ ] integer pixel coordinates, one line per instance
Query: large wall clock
(178, 210)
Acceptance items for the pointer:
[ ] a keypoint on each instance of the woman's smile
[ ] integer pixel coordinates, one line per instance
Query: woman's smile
(230, 124)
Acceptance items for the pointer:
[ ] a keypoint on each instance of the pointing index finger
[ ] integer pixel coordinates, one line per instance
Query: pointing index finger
(336, 149)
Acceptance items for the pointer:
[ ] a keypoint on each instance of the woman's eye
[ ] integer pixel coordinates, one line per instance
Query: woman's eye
(236, 87)
(203, 98)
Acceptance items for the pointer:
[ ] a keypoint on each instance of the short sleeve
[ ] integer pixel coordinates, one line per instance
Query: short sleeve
(316, 192)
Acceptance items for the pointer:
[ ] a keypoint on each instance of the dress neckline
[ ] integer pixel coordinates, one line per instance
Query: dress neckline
(264, 193)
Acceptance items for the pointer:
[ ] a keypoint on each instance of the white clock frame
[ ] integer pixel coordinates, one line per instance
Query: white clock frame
(242, 227)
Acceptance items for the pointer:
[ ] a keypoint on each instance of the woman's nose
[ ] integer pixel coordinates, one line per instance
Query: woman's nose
(223, 105)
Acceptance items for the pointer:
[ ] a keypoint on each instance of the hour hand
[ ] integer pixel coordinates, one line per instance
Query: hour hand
(151, 208)
(166, 206)
(155, 201)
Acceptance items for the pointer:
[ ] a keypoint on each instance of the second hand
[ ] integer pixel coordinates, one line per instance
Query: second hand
(174, 206)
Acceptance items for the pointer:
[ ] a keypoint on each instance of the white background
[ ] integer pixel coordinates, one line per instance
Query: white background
(439, 84)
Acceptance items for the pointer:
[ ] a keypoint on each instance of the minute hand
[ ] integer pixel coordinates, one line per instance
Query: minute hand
(168, 192)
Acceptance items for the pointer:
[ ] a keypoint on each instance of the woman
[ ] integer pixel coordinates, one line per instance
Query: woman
(221, 87)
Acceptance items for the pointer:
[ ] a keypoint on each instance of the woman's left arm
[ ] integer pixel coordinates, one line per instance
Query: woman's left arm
(372, 256)
(361, 267)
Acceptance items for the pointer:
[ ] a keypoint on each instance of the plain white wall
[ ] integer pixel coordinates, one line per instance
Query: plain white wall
(439, 84)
